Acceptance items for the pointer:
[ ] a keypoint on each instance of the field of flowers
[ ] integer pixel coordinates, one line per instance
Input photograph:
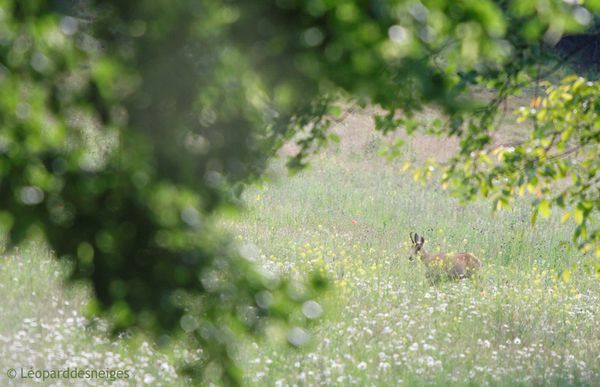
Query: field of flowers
(42, 327)
(530, 317)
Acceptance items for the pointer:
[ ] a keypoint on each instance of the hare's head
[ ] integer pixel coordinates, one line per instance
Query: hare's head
(417, 246)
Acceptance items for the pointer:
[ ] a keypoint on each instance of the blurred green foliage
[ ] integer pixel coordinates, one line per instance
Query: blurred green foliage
(126, 124)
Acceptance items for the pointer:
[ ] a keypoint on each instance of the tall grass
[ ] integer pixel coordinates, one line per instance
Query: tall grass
(524, 320)
(42, 327)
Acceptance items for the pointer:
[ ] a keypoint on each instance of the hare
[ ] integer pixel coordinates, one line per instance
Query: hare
(453, 266)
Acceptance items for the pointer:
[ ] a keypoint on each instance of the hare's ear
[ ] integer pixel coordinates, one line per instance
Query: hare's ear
(422, 240)
(411, 238)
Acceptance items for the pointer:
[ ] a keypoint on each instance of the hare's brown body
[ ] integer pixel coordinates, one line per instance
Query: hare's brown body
(453, 266)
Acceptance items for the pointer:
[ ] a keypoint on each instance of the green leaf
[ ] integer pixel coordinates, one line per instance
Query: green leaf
(545, 208)
(566, 275)
(334, 138)
(593, 5)
(335, 111)
(534, 216)
(578, 216)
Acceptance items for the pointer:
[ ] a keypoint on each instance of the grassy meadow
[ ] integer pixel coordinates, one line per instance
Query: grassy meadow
(42, 327)
(522, 321)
